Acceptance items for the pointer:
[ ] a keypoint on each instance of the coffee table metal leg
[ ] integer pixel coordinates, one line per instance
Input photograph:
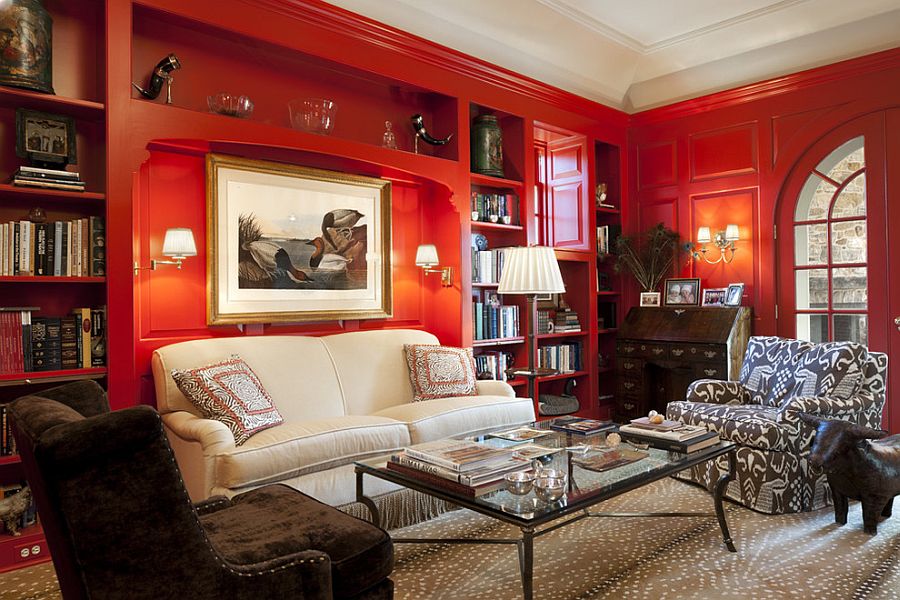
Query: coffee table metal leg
(374, 516)
(526, 562)
(721, 485)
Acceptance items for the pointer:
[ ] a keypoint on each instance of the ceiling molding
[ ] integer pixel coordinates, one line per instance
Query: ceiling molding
(346, 23)
(570, 12)
(870, 63)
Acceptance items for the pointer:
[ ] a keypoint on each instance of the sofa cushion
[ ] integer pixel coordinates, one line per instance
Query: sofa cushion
(749, 425)
(769, 366)
(440, 371)
(445, 417)
(292, 449)
(230, 392)
(284, 522)
(834, 369)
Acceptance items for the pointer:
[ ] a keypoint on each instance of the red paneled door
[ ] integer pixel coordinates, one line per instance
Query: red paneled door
(834, 247)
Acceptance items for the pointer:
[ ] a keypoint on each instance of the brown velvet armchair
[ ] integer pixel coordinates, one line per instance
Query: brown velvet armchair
(119, 522)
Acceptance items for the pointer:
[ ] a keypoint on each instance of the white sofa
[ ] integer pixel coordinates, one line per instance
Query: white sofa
(343, 397)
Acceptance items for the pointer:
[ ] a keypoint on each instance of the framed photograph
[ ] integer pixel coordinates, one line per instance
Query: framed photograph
(45, 138)
(288, 243)
(734, 295)
(650, 298)
(714, 296)
(683, 292)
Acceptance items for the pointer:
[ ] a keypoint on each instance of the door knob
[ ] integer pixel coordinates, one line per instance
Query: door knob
(897, 322)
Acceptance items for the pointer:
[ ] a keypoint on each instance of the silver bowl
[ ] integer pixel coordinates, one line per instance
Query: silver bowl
(520, 482)
(549, 489)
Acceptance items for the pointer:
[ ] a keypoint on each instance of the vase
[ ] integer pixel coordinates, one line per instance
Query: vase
(26, 46)
(487, 146)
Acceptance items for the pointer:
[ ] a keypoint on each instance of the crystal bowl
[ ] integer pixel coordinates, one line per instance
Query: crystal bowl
(231, 105)
(549, 489)
(315, 115)
(519, 483)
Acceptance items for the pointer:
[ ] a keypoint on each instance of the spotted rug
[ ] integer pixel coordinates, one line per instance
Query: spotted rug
(799, 556)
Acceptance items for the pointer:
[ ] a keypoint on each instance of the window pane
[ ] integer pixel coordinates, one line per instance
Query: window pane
(814, 200)
(848, 242)
(852, 200)
(850, 163)
(851, 328)
(812, 328)
(849, 288)
(810, 244)
(812, 288)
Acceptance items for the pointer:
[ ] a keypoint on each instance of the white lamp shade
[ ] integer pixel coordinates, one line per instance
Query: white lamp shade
(732, 233)
(426, 255)
(703, 235)
(179, 243)
(530, 270)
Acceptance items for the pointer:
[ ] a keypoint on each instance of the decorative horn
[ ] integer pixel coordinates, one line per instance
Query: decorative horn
(419, 126)
(162, 72)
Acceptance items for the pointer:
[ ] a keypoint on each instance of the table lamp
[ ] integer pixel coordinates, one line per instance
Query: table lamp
(533, 271)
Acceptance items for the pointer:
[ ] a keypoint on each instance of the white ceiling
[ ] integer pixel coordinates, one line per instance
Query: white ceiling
(637, 54)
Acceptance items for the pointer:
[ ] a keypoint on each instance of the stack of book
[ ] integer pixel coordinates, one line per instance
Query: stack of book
(74, 248)
(581, 426)
(56, 179)
(492, 320)
(495, 363)
(29, 343)
(543, 321)
(7, 441)
(487, 265)
(669, 435)
(495, 208)
(460, 466)
(566, 321)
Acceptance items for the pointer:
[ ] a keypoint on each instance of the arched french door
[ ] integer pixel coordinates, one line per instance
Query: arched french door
(833, 241)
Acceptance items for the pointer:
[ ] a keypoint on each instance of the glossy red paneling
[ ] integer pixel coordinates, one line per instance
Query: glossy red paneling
(662, 211)
(566, 161)
(716, 211)
(785, 127)
(723, 152)
(656, 164)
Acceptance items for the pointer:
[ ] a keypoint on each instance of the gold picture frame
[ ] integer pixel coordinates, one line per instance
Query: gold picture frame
(287, 243)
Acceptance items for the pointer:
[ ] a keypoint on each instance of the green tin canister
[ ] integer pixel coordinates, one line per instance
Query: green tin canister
(26, 46)
(487, 146)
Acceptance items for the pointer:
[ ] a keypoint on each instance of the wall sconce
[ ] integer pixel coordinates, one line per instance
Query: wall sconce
(723, 240)
(427, 258)
(178, 245)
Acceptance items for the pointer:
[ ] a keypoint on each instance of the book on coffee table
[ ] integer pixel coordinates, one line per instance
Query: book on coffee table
(581, 426)
(458, 455)
(520, 434)
(688, 439)
(665, 425)
(447, 484)
(609, 459)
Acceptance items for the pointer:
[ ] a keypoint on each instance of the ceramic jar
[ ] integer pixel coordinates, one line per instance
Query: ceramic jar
(487, 146)
(26, 46)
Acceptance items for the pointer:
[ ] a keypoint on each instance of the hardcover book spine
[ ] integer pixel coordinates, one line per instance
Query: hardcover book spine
(69, 354)
(98, 337)
(421, 465)
(27, 358)
(57, 248)
(84, 336)
(40, 249)
(85, 248)
(98, 247)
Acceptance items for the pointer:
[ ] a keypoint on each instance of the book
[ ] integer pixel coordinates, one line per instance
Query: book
(666, 425)
(470, 478)
(97, 259)
(51, 172)
(46, 343)
(98, 337)
(57, 248)
(69, 351)
(609, 459)
(72, 187)
(520, 434)
(680, 434)
(446, 484)
(84, 336)
(581, 426)
(458, 455)
(710, 438)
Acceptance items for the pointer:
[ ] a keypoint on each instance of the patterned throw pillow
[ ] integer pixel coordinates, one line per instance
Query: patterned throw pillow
(440, 371)
(769, 367)
(834, 369)
(230, 392)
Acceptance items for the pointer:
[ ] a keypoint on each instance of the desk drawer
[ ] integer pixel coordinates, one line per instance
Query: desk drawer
(711, 371)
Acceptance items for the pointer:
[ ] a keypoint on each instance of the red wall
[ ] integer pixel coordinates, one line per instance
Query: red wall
(725, 158)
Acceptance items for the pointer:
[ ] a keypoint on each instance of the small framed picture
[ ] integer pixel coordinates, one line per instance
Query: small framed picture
(650, 298)
(44, 138)
(714, 296)
(734, 295)
(683, 292)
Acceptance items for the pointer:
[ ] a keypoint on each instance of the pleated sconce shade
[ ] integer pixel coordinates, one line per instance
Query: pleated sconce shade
(530, 270)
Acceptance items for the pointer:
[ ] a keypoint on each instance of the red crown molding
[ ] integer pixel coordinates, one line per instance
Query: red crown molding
(343, 22)
(771, 87)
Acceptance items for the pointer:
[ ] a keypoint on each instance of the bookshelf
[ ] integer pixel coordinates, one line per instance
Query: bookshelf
(78, 32)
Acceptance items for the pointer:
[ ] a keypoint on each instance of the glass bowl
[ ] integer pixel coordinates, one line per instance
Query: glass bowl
(315, 115)
(231, 105)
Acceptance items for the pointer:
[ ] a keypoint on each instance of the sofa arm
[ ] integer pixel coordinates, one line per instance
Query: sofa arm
(213, 436)
(305, 574)
(716, 391)
(854, 407)
(211, 505)
(490, 387)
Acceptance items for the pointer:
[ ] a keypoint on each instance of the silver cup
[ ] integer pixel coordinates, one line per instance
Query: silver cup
(520, 482)
(549, 489)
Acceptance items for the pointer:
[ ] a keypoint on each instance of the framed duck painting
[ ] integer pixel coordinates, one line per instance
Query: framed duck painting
(288, 243)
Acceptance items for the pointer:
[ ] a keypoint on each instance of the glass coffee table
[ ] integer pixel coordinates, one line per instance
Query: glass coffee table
(586, 488)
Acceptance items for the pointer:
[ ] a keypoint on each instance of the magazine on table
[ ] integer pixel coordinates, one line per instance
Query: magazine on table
(474, 478)
(609, 459)
(458, 455)
(666, 425)
(581, 425)
(678, 434)
(521, 434)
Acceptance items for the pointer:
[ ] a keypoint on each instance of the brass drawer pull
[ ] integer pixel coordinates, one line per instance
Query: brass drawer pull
(628, 385)
(710, 372)
(658, 351)
(711, 354)
(677, 351)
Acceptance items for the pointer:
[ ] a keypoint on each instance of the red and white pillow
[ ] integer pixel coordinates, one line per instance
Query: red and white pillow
(230, 392)
(440, 371)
